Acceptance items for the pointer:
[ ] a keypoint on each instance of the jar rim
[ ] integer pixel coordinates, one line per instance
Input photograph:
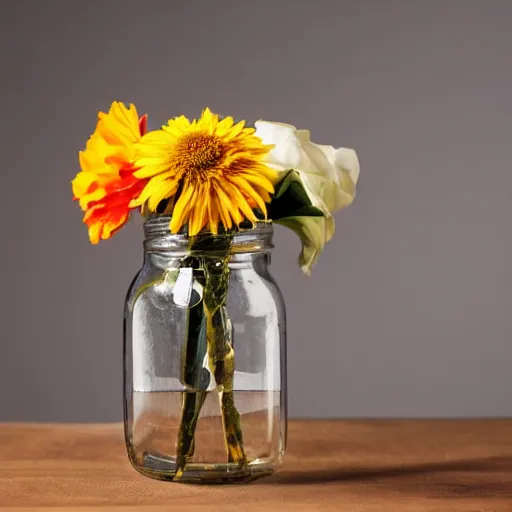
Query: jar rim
(158, 237)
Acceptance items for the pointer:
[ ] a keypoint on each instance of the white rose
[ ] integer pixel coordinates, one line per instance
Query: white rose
(328, 175)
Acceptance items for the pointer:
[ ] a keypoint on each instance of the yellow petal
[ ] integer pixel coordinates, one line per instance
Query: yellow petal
(182, 208)
(239, 200)
(198, 214)
(167, 189)
(261, 181)
(264, 170)
(147, 171)
(205, 121)
(94, 233)
(223, 204)
(163, 183)
(177, 126)
(224, 125)
(82, 182)
(242, 184)
(84, 201)
(263, 194)
(155, 140)
(115, 127)
(229, 205)
(213, 219)
(236, 130)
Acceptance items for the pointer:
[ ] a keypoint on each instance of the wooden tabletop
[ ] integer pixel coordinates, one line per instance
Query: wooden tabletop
(351, 466)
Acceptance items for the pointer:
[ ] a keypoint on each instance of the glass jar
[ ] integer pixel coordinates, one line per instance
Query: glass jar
(187, 419)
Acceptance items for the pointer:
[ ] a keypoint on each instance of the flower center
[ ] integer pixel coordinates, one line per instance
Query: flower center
(198, 154)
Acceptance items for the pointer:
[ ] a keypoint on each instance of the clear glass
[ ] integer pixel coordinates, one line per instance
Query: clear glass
(157, 315)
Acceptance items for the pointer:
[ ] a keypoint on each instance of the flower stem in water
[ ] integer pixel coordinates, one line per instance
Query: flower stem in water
(221, 354)
(195, 378)
(209, 331)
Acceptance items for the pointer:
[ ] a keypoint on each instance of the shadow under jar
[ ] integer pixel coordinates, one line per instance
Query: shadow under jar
(200, 408)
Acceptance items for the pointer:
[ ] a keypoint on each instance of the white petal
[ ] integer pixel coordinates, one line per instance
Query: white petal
(287, 151)
(329, 175)
(345, 192)
(303, 135)
(309, 187)
(334, 182)
(346, 159)
(330, 226)
(261, 124)
(321, 191)
(318, 159)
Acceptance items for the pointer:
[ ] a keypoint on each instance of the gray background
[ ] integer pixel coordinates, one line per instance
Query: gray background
(408, 312)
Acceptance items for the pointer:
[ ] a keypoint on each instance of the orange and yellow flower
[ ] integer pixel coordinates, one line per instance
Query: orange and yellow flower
(106, 184)
(213, 169)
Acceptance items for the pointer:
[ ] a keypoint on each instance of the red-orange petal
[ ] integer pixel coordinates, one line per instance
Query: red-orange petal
(143, 124)
(113, 209)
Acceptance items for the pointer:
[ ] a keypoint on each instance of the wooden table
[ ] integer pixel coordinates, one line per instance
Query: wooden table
(350, 466)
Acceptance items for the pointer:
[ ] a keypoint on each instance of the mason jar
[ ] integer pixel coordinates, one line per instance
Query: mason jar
(167, 381)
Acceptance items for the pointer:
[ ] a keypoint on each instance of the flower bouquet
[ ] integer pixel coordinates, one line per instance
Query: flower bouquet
(208, 180)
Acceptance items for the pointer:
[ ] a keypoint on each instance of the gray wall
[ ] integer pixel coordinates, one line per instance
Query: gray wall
(408, 312)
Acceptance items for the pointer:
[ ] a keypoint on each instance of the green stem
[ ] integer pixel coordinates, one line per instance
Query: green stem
(209, 332)
(194, 378)
(192, 403)
(221, 354)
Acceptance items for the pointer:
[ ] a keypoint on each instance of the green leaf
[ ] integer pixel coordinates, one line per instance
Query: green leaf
(291, 200)
(193, 375)
(311, 231)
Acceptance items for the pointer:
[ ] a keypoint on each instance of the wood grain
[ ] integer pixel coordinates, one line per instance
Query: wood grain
(350, 466)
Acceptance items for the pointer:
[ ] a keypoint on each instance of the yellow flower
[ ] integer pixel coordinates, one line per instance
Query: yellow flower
(214, 169)
(105, 185)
